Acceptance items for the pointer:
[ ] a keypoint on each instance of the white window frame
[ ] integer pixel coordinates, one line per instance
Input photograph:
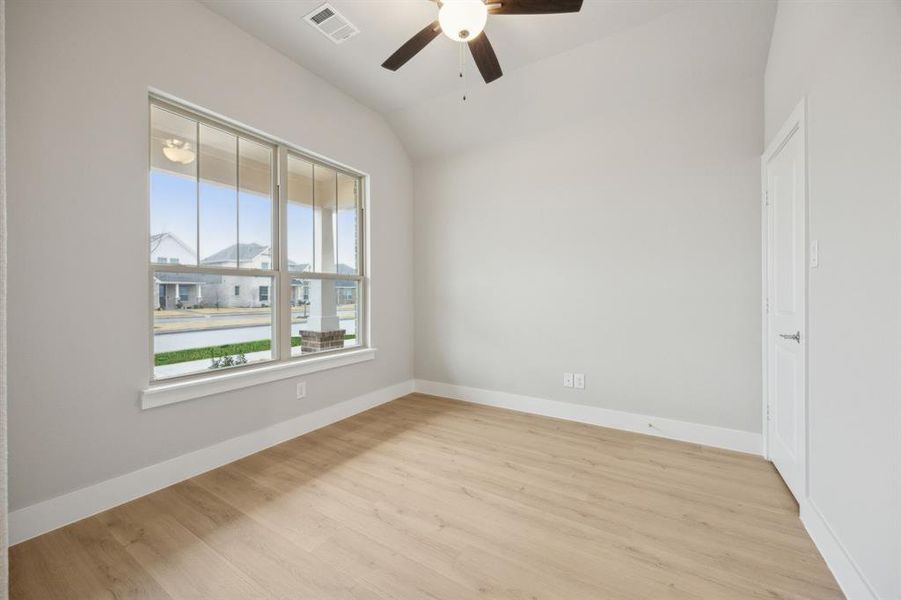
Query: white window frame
(282, 364)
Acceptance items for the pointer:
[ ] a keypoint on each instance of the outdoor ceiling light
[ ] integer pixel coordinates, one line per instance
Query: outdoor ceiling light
(462, 20)
(179, 151)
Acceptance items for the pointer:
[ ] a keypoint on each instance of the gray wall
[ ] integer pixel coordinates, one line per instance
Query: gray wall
(625, 246)
(4, 530)
(846, 58)
(79, 74)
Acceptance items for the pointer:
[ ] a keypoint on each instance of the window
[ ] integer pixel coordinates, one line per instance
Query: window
(215, 201)
(323, 232)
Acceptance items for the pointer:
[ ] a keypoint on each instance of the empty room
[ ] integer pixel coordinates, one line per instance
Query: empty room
(450, 299)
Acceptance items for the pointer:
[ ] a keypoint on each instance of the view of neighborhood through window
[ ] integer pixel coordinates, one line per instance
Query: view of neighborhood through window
(321, 229)
(213, 209)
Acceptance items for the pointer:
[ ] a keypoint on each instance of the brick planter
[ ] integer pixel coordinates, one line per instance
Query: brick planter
(318, 341)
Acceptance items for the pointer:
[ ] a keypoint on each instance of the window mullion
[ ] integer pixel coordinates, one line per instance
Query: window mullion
(283, 288)
(197, 193)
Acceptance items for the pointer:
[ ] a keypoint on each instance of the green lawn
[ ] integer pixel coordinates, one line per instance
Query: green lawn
(209, 352)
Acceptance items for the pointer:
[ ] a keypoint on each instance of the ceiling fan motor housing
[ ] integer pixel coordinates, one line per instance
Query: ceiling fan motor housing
(462, 20)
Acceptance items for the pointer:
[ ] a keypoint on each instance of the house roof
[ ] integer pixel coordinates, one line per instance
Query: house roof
(240, 252)
(157, 239)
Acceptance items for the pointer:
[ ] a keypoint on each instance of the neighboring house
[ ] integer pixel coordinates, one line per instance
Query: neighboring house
(246, 291)
(167, 248)
(188, 290)
(249, 256)
(236, 290)
(300, 288)
(182, 290)
(347, 290)
(174, 289)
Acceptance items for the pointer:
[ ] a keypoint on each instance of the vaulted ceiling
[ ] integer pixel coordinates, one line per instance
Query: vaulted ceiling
(556, 67)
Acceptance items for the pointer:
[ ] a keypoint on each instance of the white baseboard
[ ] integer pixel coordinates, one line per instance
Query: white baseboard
(708, 435)
(31, 521)
(846, 572)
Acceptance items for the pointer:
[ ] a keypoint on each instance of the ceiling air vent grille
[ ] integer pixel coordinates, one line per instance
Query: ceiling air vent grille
(331, 24)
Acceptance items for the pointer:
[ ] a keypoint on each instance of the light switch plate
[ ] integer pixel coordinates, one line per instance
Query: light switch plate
(579, 381)
(301, 389)
(567, 380)
(814, 254)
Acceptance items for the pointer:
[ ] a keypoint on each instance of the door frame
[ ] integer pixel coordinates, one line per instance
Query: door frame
(796, 124)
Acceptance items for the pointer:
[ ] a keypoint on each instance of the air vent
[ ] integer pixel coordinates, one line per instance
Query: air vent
(331, 24)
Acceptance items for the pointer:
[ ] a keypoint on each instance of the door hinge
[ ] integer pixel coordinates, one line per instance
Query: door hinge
(766, 198)
(768, 411)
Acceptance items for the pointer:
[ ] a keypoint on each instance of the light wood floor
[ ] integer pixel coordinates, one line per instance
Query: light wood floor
(430, 498)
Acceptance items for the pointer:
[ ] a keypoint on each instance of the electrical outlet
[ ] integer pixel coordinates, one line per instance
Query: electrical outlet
(579, 381)
(301, 389)
(567, 380)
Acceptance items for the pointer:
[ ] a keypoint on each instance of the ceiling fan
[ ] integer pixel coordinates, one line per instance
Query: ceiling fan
(464, 20)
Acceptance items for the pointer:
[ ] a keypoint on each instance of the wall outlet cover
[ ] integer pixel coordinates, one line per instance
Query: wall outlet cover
(579, 381)
(301, 389)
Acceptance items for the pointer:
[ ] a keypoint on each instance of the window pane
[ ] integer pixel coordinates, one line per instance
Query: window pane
(300, 214)
(347, 224)
(324, 216)
(204, 322)
(348, 295)
(324, 315)
(255, 204)
(218, 197)
(173, 187)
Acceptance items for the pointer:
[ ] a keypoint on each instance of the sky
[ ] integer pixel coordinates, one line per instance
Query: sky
(173, 209)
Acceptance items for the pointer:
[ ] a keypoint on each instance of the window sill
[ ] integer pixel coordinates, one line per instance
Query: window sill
(168, 393)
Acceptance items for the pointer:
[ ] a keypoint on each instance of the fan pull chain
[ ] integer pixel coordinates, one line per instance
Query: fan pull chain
(462, 70)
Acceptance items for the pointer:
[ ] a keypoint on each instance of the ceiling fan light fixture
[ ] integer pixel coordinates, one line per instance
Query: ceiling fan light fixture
(178, 151)
(462, 20)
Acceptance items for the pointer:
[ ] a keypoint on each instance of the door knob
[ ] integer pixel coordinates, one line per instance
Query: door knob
(795, 336)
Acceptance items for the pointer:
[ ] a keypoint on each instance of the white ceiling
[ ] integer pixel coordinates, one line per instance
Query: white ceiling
(556, 67)
(355, 65)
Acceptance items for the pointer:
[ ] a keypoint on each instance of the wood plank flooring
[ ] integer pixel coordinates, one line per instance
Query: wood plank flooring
(431, 498)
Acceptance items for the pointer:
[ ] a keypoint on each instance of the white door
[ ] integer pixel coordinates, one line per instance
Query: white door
(784, 173)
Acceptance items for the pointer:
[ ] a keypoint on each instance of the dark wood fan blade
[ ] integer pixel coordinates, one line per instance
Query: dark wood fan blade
(533, 7)
(486, 59)
(412, 47)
